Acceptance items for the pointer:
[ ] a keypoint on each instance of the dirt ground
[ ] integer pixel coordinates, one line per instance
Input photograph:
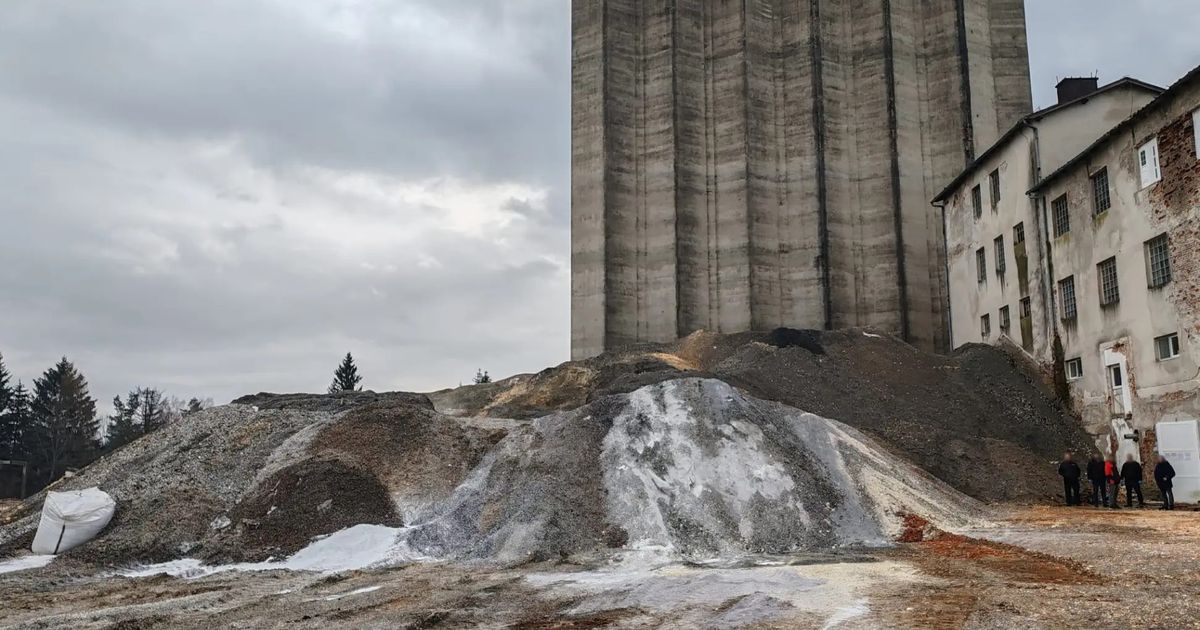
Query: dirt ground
(1039, 567)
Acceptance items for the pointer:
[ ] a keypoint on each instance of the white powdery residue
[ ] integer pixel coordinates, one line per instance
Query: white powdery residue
(358, 591)
(24, 563)
(292, 450)
(849, 613)
(358, 547)
(652, 461)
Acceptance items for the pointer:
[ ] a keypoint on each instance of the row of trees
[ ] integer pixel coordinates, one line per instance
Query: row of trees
(54, 427)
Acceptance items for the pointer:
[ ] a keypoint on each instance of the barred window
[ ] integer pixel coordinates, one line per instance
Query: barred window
(1110, 293)
(1005, 320)
(985, 326)
(1019, 233)
(1062, 216)
(1026, 308)
(1001, 264)
(981, 264)
(1066, 289)
(1158, 261)
(1103, 201)
(977, 201)
(1166, 347)
(994, 180)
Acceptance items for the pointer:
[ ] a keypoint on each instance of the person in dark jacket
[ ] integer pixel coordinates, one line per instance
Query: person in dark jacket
(1131, 473)
(1163, 474)
(1095, 473)
(1112, 474)
(1070, 473)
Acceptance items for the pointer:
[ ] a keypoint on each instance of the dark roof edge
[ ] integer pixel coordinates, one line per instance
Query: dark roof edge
(1125, 124)
(1035, 116)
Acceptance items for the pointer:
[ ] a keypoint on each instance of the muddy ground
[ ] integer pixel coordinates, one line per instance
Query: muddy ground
(1039, 567)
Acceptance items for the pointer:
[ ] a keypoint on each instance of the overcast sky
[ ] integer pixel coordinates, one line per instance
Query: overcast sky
(222, 197)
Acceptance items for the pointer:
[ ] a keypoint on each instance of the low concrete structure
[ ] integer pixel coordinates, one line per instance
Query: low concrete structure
(1121, 223)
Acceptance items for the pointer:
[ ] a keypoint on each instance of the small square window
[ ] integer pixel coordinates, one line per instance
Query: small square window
(985, 326)
(1074, 369)
(977, 201)
(1158, 261)
(1100, 194)
(1062, 216)
(981, 264)
(1019, 233)
(994, 180)
(1001, 263)
(1110, 292)
(1026, 308)
(1066, 289)
(1005, 320)
(1166, 347)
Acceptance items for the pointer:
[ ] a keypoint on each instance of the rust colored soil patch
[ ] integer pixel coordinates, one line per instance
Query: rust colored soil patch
(1011, 562)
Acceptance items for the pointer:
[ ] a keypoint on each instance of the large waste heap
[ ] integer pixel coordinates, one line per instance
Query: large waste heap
(713, 447)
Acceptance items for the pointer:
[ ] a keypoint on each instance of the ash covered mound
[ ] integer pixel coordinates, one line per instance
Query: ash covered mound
(690, 468)
(981, 420)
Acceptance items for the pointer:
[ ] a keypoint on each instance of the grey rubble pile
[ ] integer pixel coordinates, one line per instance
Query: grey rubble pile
(649, 448)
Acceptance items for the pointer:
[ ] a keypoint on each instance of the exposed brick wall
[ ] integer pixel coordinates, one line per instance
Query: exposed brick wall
(1175, 206)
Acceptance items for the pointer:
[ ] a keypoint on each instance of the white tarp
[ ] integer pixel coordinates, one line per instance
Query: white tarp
(70, 519)
(1179, 442)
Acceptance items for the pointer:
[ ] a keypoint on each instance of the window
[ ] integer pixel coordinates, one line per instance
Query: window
(977, 201)
(1005, 320)
(1110, 293)
(985, 326)
(1148, 162)
(1196, 129)
(1158, 261)
(994, 181)
(1001, 264)
(1100, 194)
(1074, 369)
(1116, 378)
(981, 264)
(1166, 347)
(1066, 289)
(1026, 308)
(1019, 233)
(1062, 216)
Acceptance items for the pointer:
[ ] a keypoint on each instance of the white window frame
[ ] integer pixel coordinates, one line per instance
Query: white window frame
(1196, 129)
(1172, 341)
(1076, 373)
(1147, 159)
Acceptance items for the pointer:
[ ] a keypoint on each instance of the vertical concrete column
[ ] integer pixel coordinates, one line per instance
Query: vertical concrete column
(713, 233)
(588, 168)
(640, 190)
(1010, 62)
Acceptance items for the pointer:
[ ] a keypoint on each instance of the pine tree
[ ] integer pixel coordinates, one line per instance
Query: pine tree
(346, 378)
(64, 431)
(123, 425)
(15, 424)
(193, 406)
(6, 390)
(482, 377)
(152, 409)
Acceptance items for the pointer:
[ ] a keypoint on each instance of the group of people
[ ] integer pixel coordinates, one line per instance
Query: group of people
(1106, 479)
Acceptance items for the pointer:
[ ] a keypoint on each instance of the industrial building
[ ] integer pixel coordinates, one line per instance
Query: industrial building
(762, 163)
(1081, 229)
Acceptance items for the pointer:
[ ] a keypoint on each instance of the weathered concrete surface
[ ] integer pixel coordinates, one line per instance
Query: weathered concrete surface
(749, 164)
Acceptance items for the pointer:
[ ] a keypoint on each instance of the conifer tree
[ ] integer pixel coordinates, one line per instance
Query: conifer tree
(482, 377)
(346, 378)
(6, 390)
(15, 424)
(123, 425)
(64, 430)
(152, 409)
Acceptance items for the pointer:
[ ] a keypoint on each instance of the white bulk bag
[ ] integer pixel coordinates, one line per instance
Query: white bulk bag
(70, 519)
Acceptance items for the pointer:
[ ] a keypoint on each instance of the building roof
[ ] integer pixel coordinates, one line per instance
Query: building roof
(1137, 116)
(1027, 121)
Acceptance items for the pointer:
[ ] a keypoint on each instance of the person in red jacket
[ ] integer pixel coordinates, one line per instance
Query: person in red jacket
(1112, 475)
